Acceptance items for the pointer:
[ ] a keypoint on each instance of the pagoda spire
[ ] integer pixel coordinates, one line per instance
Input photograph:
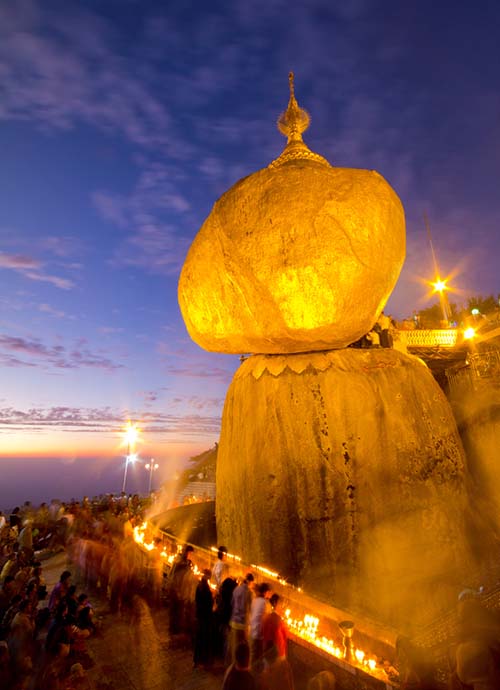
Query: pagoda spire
(291, 124)
(295, 119)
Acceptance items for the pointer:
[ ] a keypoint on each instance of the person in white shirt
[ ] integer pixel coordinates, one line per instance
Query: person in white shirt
(221, 568)
(259, 608)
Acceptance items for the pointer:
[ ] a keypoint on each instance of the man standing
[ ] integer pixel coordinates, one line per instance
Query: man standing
(241, 602)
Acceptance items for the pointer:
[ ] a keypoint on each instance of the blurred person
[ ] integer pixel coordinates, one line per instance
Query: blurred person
(6, 675)
(60, 590)
(117, 582)
(20, 636)
(259, 608)
(221, 568)
(9, 615)
(277, 672)
(373, 338)
(238, 676)
(274, 629)
(58, 632)
(178, 589)
(222, 617)
(477, 666)
(71, 601)
(31, 596)
(52, 674)
(77, 678)
(11, 566)
(416, 672)
(240, 611)
(25, 539)
(203, 610)
(15, 520)
(385, 322)
(7, 591)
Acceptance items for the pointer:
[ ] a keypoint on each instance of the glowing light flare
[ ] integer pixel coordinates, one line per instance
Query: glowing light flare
(130, 433)
(469, 333)
(440, 285)
(139, 532)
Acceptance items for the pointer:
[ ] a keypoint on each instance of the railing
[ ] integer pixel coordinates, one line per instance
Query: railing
(376, 639)
(479, 368)
(448, 337)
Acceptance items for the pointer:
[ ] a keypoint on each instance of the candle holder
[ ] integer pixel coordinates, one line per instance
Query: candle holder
(347, 630)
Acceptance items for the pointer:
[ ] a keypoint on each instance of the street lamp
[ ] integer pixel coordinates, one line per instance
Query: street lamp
(440, 286)
(151, 466)
(131, 432)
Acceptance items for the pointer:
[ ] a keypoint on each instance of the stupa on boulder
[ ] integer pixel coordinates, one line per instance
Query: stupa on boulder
(302, 256)
(340, 468)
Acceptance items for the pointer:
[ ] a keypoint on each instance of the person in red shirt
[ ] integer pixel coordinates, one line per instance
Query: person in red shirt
(274, 630)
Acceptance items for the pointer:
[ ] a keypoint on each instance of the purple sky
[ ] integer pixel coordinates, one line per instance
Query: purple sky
(122, 121)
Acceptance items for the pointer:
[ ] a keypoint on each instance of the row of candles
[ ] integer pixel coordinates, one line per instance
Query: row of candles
(306, 628)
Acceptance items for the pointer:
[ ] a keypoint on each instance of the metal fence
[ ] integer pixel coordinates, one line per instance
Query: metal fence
(479, 368)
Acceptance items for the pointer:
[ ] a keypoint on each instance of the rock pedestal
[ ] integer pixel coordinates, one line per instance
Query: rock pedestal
(344, 470)
(478, 417)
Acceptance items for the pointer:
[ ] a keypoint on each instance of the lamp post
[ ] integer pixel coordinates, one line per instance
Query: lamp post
(131, 433)
(440, 287)
(151, 466)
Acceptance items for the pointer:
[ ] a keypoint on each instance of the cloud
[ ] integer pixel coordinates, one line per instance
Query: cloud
(58, 356)
(198, 403)
(33, 269)
(110, 330)
(153, 242)
(18, 262)
(53, 76)
(106, 420)
(56, 313)
(200, 372)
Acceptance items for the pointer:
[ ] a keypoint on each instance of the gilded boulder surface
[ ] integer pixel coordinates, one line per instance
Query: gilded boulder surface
(344, 471)
(296, 257)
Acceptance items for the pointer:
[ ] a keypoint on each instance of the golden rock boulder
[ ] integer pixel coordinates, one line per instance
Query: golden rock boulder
(344, 470)
(300, 256)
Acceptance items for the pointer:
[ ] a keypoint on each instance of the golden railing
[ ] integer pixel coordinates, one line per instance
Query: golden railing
(421, 337)
(311, 622)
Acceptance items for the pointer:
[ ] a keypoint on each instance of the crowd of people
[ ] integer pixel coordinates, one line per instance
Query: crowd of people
(43, 634)
(233, 622)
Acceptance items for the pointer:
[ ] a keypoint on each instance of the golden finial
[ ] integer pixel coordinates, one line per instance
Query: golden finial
(295, 119)
(292, 123)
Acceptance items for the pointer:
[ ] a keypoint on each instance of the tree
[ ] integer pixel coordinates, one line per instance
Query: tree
(485, 305)
(432, 316)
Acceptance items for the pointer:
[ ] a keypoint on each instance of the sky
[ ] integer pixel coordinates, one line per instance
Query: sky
(121, 123)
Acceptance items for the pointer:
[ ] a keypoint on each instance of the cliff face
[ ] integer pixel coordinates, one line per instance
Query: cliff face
(344, 470)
